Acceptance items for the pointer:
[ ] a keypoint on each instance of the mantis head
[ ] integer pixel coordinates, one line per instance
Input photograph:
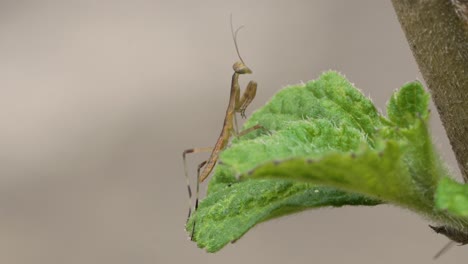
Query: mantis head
(240, 68)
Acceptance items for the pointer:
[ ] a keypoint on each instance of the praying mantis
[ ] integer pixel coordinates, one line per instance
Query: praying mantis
(237, 104)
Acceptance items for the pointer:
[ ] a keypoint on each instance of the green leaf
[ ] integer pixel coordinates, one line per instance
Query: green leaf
(378, 174)
(225, 215)
(408, 105)
(408, 113)
(327, 145)
(453, 197)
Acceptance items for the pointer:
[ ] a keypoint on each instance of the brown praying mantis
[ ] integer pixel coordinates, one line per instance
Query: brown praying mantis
(237, 104)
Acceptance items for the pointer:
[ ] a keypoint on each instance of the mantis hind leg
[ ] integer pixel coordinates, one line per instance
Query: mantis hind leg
(187, 178)
(200, 166)
(250, 129)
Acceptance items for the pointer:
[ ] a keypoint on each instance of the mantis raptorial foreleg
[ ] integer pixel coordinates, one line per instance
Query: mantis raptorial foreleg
(244, 101)
(247, 97)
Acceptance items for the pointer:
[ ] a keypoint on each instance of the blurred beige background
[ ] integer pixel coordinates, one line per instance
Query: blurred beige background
(98, 99)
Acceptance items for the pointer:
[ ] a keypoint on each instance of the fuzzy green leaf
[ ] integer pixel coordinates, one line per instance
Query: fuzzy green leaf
(408, 105)
(379, 174)
(321, 133)
(225, 215)
(453, 197)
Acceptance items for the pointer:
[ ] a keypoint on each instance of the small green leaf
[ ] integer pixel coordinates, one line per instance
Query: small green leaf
(408, 105)
(322, 133)
(408, 110)
(452, 196)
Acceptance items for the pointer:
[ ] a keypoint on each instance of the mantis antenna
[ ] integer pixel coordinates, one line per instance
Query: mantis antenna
(234, 37)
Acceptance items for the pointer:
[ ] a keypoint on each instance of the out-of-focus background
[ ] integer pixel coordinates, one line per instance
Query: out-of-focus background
(98, 99)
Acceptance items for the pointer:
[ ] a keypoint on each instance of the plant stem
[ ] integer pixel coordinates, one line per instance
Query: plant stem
(439, 41)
